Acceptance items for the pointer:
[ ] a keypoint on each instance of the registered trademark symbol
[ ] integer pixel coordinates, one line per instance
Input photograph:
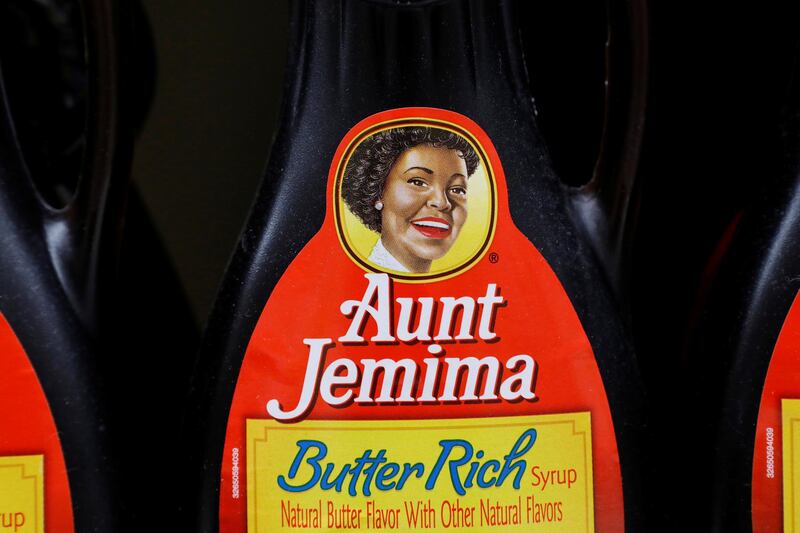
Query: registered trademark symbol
(494, 257)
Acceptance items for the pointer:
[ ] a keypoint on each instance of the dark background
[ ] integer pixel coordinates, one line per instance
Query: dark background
(199, 158)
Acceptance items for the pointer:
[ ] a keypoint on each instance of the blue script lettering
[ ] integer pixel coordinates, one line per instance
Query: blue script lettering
(477, 472)
(370, 470)
(313, 462)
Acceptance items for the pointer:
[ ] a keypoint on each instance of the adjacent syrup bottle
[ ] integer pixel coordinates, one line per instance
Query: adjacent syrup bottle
(62, 150)
(748, 338)
(415, 330)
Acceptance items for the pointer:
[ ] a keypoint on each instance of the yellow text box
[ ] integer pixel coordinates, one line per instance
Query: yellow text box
(790, 414)
(22, 494)
(494, 474)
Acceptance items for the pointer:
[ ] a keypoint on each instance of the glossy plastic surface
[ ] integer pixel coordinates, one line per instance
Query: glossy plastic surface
(758, 279)
(53, 265)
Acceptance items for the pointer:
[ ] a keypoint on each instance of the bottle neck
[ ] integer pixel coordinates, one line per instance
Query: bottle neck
(354, 57)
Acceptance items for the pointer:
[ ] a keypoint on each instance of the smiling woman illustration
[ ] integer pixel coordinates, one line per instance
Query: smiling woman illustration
(409, 184)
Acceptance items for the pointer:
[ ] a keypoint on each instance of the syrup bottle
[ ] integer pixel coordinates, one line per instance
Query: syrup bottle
(62, 148)
(749, 333)
(415, 330)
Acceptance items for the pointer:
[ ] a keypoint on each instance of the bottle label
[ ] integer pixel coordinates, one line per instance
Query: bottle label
(419, 366)
(34, 489)
(776, 459)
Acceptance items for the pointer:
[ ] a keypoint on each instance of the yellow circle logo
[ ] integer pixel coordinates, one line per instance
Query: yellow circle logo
(415, 198)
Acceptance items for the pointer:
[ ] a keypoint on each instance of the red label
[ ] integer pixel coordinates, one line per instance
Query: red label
(32, 465)
(775, 505)
(419, 364)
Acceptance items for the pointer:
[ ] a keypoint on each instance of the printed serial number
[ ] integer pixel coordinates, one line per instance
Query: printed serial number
(235, 473)
(770, 453)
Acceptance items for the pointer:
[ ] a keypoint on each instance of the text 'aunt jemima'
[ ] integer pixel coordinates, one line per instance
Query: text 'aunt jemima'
(346, 381)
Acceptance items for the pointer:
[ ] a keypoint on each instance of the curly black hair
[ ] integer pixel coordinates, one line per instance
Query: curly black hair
(373, 158)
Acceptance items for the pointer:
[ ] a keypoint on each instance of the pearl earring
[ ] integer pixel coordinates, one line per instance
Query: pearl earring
(378, 205)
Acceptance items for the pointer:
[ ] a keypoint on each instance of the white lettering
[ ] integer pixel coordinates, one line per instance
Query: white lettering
(488, 303)
(315, 352)
(450, 306)
(389, 368)
(333, 378)
(412, 379)
(378, 289)
(520, 386)
(474, 368)
(407, 306)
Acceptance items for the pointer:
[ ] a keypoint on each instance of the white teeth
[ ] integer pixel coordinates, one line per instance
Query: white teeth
(431, 224)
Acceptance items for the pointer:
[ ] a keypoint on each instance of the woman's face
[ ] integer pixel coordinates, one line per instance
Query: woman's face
(424, 205)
